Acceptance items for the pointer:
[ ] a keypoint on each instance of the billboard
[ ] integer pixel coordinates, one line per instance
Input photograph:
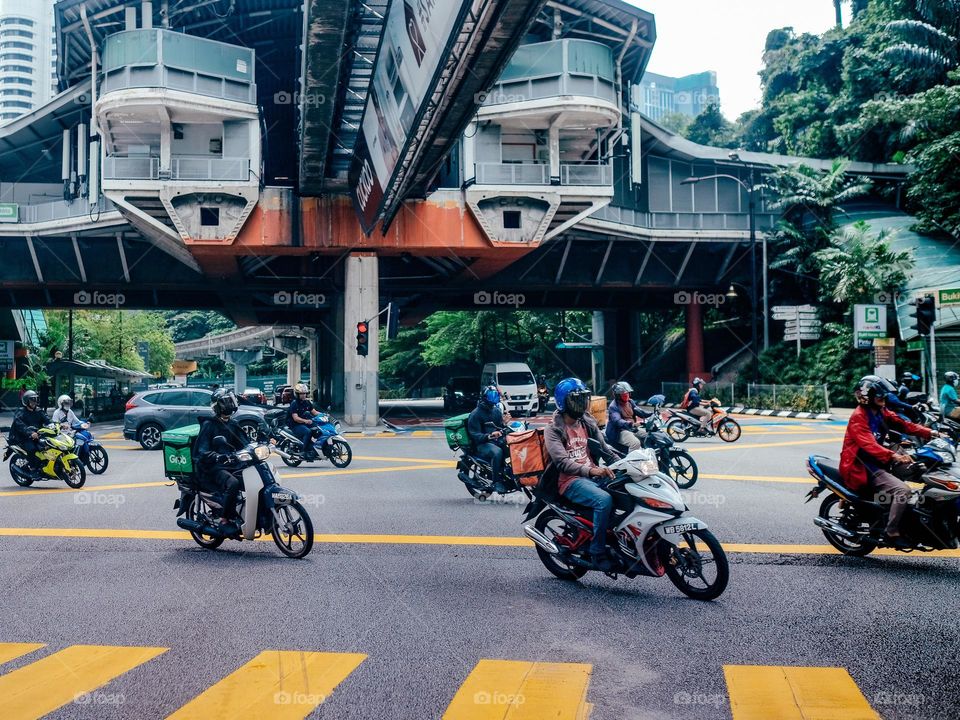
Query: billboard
(414, 46)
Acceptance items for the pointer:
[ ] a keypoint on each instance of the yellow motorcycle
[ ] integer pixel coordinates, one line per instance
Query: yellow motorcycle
(58, 457)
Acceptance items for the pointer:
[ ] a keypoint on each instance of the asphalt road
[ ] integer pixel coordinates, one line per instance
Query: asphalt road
(418, 602)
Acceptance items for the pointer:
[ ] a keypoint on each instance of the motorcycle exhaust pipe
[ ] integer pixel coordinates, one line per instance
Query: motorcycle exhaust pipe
(198, 527)
(540, 539)
(834, 527)
(467, 480)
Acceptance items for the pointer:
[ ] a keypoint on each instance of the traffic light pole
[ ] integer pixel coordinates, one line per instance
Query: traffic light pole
(933, 358)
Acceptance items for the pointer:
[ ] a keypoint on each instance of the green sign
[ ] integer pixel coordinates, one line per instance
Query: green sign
(9, 212)
(949, 297)
(915, 345)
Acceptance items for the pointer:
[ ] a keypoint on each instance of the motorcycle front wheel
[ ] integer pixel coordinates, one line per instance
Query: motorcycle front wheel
(682, 468)
(295, 538)
(340, 454)
(20, 471)
(75, 476)
(554, 526)
(678, 430)
(699, 572)
(98, 460)
(196, 512)
(729, 430)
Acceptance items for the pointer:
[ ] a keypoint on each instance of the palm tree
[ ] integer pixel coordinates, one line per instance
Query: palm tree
(858, 264)
(930, 45)
(801, 187)
(838, 8)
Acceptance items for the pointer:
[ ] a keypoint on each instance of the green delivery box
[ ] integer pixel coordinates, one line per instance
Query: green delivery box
(178, 452)
(456, 431)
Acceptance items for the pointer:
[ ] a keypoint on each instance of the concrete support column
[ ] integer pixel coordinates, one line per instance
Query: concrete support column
(553, 145)
(293, 368)
(598, 367)
(314, 366)
(291, 347)
(361, 299)
(166, 142)
(130, 17)
(695, 359)
(240, 359)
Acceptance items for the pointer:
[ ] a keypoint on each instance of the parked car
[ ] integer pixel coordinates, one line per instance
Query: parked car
(149, 413)
(255, 395)
(517, 385)
(460, 393)
(283, 395)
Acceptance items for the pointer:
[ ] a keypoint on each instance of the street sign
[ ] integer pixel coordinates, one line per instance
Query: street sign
(9, 212)
(802, 336)
(915, 345)
(7, 359)
(869, 322)
(948, 297)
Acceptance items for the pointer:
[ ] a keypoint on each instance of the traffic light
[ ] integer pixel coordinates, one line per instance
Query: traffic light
(363, 338)
(925, 314)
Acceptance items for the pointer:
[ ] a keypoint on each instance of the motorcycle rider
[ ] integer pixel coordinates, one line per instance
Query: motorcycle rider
(485, 427)
(28, 419)
(949, 405)
(64, 414)
(896, 404)
(695, 405)
(863, 460)
(580, 478)
(300, 414)
(212, 461)
(622, 416)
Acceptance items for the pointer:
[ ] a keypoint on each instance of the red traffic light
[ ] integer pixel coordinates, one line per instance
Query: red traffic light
(361, 327)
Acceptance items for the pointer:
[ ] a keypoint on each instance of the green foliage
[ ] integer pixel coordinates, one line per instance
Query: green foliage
(859, 264)
(711, 128)
(195, 324)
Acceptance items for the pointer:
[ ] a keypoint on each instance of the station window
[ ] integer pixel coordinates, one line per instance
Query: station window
(511, 219)
(16, 68)
(209, 217)
(15, 45)
(16, 56)
(16, 81)
(16, 33)
(17, 21)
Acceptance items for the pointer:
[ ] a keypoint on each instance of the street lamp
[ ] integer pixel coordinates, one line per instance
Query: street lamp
(751, 189)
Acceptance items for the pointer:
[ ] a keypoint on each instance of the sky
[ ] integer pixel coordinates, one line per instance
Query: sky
(727, 36)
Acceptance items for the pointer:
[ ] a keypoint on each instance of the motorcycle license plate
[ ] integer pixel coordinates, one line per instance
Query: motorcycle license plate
(686, 527)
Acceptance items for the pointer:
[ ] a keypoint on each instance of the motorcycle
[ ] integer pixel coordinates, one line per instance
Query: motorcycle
(683, 425)
(651, 533)
(853, 523)
(543, 395)
(677, 463)
(58, 457)
(272, 508)
(325, 432)
(475, 472)
(91, 453)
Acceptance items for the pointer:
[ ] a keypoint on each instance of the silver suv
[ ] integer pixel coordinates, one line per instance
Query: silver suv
(149, 413)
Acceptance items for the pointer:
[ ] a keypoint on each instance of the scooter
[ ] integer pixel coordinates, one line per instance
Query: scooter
(475, 472)
(327, 440)
(58, 457)
(683, 425)
(271, 508)
(651, 532)
(91, 453)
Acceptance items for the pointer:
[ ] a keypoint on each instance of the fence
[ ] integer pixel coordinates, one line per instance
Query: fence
(674, 392)
(804, 398)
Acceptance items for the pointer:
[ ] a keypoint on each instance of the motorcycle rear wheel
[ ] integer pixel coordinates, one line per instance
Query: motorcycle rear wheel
(678, 430)
(684, 564)
(682, 468)
(294, 515)
(294, 460)
(98, 460)
(20, 471)
(552, 525)
(195, 512)
(831, 504)
(729, 430)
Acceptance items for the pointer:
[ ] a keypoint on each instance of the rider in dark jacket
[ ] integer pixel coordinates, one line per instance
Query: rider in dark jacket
(623, 418)
(485, 427)
(26, 421)
(212, 461)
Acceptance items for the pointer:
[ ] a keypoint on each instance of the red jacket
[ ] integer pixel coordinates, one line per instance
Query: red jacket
(859, 440)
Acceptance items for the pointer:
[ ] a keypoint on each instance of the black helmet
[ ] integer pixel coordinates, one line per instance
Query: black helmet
(871, 387)
(224, 402)
(28, 396)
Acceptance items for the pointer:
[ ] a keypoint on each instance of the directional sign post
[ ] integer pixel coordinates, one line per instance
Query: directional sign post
(801, 323)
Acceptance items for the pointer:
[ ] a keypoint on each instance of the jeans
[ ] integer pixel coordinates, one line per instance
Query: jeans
(305, 436)
(492, 453)
(586, 492)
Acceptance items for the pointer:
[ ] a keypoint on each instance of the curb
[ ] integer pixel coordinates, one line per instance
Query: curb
(740, 410)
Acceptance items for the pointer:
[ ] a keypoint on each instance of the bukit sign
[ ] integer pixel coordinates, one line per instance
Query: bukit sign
(948, 297)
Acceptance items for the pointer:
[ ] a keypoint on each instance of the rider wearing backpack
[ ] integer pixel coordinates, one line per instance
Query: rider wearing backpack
(695, 405)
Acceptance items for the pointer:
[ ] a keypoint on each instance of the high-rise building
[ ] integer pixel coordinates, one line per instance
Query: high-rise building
(662, 95)
(28, 56)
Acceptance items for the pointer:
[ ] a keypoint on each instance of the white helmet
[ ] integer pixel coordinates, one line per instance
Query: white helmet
(64, 402)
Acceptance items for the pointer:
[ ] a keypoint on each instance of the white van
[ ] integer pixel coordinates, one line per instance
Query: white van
(516, 381)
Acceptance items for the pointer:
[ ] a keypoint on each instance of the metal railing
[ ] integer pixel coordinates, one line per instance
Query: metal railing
(685, 221)
(539, 174)
(181, 168)
(586, 174)
(803, 398)
(61, 210)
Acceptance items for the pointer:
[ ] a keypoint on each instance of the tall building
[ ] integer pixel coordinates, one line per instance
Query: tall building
(28, 56)
(662, 95)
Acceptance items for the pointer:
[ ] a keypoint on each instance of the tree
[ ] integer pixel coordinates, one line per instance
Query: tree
(677, 122)
(859, 264)
(929, 47)
(711, 128)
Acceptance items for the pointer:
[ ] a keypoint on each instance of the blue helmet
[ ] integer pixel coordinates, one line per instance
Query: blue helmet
(490, 395)
(572, 397)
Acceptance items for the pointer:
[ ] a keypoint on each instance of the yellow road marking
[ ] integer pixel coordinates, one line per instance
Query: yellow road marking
(422, 433)
(66, 676)
(750, 446)
(826, 431)
(131, 446)
(759, 478)
(474, 540)
(514, 690)
(11, 651)
(282, 684)
(85, 488)
(366, 471)
(112, 436)
(445, 463)
(795, 693)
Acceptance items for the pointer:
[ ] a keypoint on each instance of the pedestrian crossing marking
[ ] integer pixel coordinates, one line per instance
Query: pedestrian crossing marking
(516, 690)
(276, 684)
(11, 651)
(759, 692)
(66, 676)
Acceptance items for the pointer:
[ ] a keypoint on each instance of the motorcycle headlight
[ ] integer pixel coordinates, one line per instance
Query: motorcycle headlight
(262, 452)
(647, 467)
(244, 456)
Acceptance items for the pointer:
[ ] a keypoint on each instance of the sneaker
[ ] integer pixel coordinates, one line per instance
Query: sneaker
(897, 542)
